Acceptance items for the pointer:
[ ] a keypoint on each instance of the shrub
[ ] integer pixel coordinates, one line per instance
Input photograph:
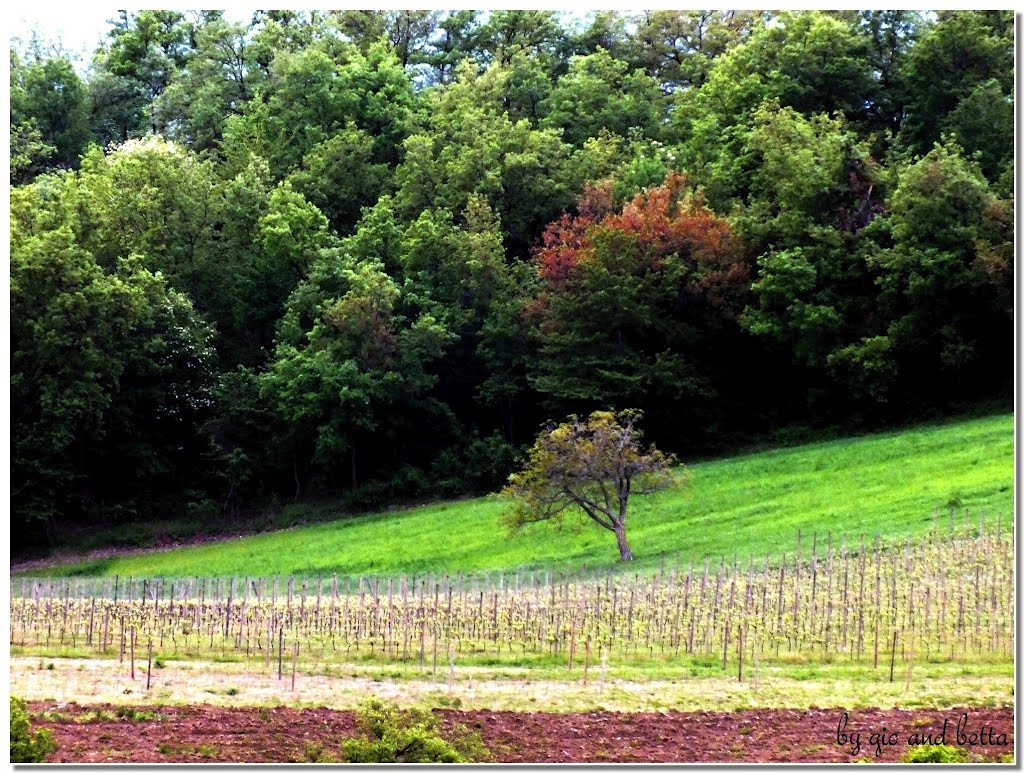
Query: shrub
(314, 752)
(132, 714)
(26, 747)
(406, 736)
(940, 753)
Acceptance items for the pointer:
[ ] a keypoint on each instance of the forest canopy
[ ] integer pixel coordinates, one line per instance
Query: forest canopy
(365, 255)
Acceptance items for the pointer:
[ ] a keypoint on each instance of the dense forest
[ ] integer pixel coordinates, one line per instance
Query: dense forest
(364, 256)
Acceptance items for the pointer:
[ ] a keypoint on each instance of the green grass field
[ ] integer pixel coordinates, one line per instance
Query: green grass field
(749, 506)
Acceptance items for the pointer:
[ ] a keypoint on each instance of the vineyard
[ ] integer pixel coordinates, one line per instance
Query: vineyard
(946, 597)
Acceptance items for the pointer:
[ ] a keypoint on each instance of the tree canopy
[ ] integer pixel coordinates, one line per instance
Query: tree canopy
(594, 464)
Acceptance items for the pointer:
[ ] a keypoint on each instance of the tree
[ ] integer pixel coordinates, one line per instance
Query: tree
(811, 62)
(408, 33)
(634, 307)
(679, 47)
(315, 94)
(220, 76)
(595, 465)
(813, 190)
(601, 92)
(348, 364)
(963, 51)
(467, 149)
(891, 35)
(49, 99)
(455, 38)
(505, 33)
(145, 50)
(29, 152)
(110, 379)
(943, 274)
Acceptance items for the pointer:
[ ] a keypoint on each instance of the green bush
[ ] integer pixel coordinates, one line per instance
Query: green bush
(407, 736)
(314, 752)
(26, 747)
(929, 753)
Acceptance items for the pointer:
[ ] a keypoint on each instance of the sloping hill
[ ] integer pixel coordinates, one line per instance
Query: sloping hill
(749, 506)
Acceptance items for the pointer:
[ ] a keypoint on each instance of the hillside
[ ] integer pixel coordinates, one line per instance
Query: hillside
(749, 506)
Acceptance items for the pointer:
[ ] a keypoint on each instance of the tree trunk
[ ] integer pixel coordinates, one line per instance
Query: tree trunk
(620, 536)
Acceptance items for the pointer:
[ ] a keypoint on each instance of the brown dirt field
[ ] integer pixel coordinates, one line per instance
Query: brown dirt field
(216, 734)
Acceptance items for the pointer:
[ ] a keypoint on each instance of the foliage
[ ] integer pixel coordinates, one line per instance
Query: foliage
(943, 280)
(633, 307)
(595, 465)
(601, 92)
(960, 65)
(27, 746)
(404, 238)
(110, 379)
(48, 97)
(936, 754)
(393, 735)
(348, 360)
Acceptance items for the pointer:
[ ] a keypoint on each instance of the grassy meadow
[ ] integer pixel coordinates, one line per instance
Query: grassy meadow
(749, 506)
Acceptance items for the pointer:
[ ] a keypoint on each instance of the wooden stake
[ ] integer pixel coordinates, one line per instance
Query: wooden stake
(295, 662)
(586, 662)
(910, 663)
(451, 667)
(892, 661)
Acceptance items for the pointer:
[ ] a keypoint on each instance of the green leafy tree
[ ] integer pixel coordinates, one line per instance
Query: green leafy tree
(316, 93)
(809, 61)
(27, 746)
(814, 188)
(236, 247)
(891, 35)
(407, 32)
(29, 152)
(48, 99)
(634, 307)
(982, 125)
(145, 50)
(601, 92)
(943, 276)
(347, 361)
(218, 78)
(340, 177)
(109, 376)
(603, 30)
(467, 150)
(454, 41)
(594, 465)
(955, 62)
(679, 47)
(507, 33)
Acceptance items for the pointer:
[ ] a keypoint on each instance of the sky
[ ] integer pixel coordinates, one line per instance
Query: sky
(78, 27)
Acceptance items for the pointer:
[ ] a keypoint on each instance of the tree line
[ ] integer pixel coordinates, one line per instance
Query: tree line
(365, 255)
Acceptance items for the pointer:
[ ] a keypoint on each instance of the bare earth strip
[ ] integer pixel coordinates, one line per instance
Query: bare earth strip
(91, 681)
(215, 734)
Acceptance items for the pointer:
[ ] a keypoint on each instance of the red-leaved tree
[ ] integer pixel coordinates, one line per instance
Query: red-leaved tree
(636, 304)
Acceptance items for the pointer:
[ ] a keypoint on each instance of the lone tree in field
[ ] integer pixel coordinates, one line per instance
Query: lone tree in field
(594, 465)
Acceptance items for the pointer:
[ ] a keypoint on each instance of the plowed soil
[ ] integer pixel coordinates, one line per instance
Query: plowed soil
(213, 734)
